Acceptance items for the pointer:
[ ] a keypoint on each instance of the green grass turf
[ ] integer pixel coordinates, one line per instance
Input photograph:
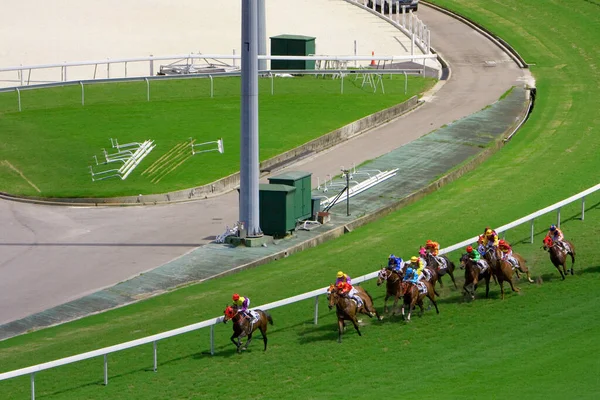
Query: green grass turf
(541, 344)
(52, 141)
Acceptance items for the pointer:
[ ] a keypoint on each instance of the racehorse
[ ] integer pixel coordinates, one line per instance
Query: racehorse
(473, 275)
(501, 269)
(558, 255)
(243, 326)
(392, 286)
(449, 269)
(413, 297)
(346, 309)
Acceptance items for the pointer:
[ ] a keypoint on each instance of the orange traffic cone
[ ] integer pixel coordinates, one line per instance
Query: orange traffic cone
(373, 61)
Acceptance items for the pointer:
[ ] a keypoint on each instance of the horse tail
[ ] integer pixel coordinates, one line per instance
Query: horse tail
(269, 318)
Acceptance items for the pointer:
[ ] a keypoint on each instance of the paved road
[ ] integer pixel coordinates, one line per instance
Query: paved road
(50, 255)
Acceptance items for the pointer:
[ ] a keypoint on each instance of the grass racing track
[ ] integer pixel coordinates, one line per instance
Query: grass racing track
(541, 344)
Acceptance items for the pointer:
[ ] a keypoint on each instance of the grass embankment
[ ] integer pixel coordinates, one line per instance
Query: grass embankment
(53, 140)
(541, 344)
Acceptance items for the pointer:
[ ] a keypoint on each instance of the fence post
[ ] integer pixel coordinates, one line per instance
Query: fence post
(147, 89)
(21, 75)
(272, 82)
(532, 230)
(342, 78)
(33, 386)
(107, 68)
(558, 218)
(582, 207)
(151, 65)
(212, 340)
(155, 356)
(316, 310)
(125, 69)
(211, 85)
(233, 59)
(82, 94)
(405, 82)
(18, 97)
(65, 72)
(105, 369)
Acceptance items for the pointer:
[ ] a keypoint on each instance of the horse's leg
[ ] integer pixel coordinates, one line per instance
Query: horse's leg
(562, 276)
(236, 342)
(440, 281)
(487, 285)
(572, 254)
(247, 342)
(385, 309)
(355, 322)
(263, 332)
(340, 329)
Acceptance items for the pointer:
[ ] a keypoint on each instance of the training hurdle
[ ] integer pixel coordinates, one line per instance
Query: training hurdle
(218, 142)
(130, 154)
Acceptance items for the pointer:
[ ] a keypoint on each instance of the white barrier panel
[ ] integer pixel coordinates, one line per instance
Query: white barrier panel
(211, 322)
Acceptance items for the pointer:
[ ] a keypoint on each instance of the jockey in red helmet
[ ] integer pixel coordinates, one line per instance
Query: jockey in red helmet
(242, 304)
(507, 253)
(346, 289)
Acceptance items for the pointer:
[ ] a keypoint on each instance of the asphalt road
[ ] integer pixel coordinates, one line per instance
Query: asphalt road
(50, 255)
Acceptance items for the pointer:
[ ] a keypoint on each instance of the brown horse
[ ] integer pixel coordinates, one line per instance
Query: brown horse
(441, 269)
(521, 267)
(473, 275)
(558, 255)
(392, 286)
(243, 326)
(413, 297)
(501, 269)
(346, 308)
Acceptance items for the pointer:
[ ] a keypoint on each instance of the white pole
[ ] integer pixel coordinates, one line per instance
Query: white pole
(151, 65)
(558, 218)
(107, 69)
(21, 75)
(125, 69)
(105, 370)
(316, 310)
(405, 82)
(19, 98)
(82, 94)
(212, 340)
(582, 207)
(147, 89)
(211, 86)
(155, 356)
(531, 241)
(272, 83)
(33, 386)
(412, 45)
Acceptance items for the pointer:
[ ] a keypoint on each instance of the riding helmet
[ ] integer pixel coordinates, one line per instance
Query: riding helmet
(235, 297)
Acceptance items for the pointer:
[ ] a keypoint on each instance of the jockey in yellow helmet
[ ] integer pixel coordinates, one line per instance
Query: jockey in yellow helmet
(342, 277)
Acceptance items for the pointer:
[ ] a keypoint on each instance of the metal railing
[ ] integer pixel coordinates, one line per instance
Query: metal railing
(154, 339)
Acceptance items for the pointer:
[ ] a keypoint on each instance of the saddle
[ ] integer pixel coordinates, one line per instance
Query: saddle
(421, 287)
(482, 265)
(442, 263)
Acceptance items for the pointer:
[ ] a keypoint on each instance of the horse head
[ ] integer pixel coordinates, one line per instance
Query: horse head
(463, 260)
(332, 295)
(229, 313)
(383, 275)
(548, 243)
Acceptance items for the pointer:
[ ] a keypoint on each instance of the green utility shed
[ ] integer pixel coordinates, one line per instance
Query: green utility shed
(292, 45)
(276, 208)
(302, 196)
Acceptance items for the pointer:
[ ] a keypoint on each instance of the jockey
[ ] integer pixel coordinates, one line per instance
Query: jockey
(411, 275)
(417, 265)
(475, 256)
(342, 277)
(507, 253)
(346, 289)
(395, 263)
(490, 239)
(242, 304)
(557, 236)
(434, 249)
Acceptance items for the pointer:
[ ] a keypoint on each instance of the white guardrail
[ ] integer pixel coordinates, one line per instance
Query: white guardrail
(313, 294)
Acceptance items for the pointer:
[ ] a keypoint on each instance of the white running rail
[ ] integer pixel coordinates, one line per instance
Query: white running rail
(305, 296)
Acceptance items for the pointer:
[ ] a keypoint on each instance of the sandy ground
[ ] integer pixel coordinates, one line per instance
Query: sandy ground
(57, 31)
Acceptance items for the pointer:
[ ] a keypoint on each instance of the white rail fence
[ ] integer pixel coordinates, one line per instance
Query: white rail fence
(404, 20)
(154, 339)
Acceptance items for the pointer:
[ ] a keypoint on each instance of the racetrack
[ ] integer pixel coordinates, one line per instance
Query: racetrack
(51, 255)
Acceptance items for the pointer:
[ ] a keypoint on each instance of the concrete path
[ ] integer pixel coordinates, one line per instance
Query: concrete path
(52, 255)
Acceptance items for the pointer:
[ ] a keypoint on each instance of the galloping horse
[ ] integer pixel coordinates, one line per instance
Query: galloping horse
(473, 275)
(392, 286)
(412, 296)
(441, 271)
(558, 256)
(242, 326)
(501, 269)
(346, 309)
